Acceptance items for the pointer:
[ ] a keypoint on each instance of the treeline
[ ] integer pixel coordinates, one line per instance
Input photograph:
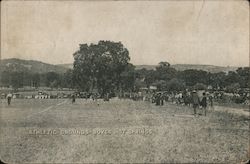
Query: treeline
(167, 78)
(19, 79)
(105, 67)
(164, 77)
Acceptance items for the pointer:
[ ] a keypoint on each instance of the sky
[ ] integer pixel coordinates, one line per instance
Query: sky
(180, 32)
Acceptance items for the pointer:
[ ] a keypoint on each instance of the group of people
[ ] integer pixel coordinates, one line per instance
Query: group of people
(184, 98)
(197, 102)
(93, 96)
(158, 98)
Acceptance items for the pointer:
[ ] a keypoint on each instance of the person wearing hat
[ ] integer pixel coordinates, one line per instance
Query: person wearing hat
(195, 101)
(204, 103)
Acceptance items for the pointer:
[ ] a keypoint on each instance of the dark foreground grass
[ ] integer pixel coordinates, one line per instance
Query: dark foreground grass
(119, 131)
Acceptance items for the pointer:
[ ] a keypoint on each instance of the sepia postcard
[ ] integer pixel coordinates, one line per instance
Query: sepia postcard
(128, 81)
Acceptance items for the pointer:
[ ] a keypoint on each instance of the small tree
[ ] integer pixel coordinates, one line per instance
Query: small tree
(16, 80)
(160, 84)
(200, 86)
(175, 85)
(164, 71)
(232, 88)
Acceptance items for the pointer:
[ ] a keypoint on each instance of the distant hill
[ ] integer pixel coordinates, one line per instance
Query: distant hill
(32, 66)
(182, 67)
(147, 67)
(68, 66)
(179, 67)
(208, 68)
(40, 67)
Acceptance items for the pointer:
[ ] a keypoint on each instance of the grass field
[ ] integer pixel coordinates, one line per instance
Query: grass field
(57, 131)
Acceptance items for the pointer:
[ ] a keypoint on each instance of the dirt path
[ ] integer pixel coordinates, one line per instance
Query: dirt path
(237, 111)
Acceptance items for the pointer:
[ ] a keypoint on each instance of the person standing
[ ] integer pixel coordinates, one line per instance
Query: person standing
(204, 103)
(211, 97)
(161, 99)
(157, 98)
(195, 101)
(106, 97)
(9, 96)
(73, 98)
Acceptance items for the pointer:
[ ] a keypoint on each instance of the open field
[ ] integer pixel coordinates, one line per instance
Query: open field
(55, 130)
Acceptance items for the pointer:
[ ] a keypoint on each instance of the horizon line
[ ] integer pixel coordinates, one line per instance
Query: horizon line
(129, 62)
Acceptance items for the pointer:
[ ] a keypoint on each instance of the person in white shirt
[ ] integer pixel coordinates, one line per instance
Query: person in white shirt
(9, 96)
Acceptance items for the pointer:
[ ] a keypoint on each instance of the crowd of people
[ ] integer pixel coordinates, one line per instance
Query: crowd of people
(188, 98)
(196, 99)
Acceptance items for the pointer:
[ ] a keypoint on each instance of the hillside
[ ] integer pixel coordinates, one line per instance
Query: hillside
(68, 66)
(208, 68)
(179, 67)
(40, 67)
(182, 67)
(32, 66)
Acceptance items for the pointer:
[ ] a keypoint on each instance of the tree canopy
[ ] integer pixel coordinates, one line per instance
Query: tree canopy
(102, 66)
(106, 67)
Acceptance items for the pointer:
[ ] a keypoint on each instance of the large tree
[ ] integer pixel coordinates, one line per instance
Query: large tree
(100, 66)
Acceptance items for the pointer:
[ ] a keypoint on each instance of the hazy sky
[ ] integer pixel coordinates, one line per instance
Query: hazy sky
(192, 32)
